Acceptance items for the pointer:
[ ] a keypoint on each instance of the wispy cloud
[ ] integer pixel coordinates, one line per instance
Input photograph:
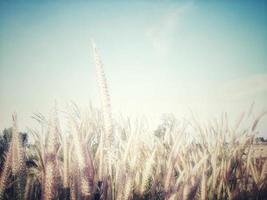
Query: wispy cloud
(161, 33)
(246, 88)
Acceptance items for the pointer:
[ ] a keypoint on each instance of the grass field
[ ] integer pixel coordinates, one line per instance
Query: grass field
(219, 162)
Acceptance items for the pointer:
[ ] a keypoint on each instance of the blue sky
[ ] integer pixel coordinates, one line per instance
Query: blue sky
(159, 57)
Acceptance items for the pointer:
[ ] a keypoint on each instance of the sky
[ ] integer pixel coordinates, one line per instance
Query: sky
(160, 57)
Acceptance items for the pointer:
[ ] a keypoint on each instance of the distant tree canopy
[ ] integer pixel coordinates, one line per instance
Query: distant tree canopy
(261, 139)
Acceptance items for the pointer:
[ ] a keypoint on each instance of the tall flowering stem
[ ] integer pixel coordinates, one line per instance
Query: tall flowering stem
(104, 94)
(51, 168)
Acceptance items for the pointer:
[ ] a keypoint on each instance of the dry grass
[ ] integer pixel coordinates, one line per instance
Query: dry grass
(217, 163)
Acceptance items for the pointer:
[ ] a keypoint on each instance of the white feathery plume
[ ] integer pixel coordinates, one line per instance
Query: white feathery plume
(104, 94)
(18, 157)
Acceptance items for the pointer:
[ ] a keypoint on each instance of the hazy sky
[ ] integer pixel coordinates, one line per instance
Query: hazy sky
(159, 57)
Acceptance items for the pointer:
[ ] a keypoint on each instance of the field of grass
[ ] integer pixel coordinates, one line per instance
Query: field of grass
(99, 157)
(217, 163)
